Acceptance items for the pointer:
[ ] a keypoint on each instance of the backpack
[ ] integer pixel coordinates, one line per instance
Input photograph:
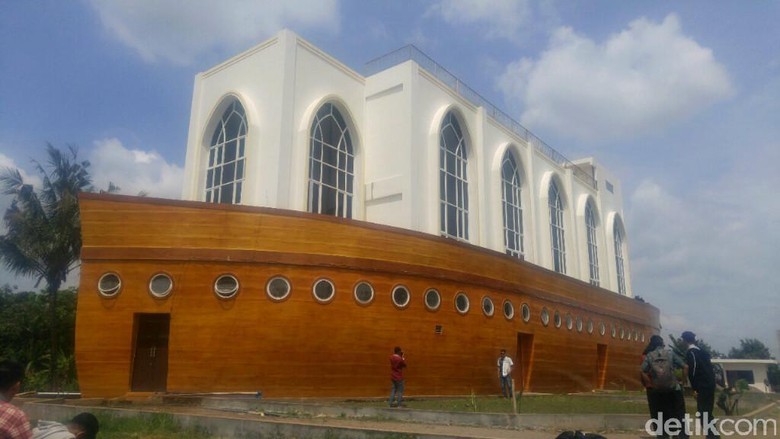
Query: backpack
(661, 370)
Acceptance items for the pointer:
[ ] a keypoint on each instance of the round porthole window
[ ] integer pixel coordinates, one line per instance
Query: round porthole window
(545, 316)
(432, 299)
(364, 293)
(557, 319)
(579, 324)
(622, 333)
(602, 328)
(226, 286)
(569, 322)
(160, 285)
(487, 306)
(590, 326)
(643, 337)
(323, 290)
(401, 296)
(462, 303)
(509, 310)
(526, 310)
(109, 285)
(278, 288)
(614, 331)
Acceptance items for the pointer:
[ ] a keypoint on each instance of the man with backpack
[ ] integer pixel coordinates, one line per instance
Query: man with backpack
(664, 393)
(702, 378)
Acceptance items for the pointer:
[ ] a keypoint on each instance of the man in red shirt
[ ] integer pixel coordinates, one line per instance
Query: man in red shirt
(13, 421)
(397, 366)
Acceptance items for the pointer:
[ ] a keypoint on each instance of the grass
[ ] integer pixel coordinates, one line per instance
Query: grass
(154, 426)
(586, 403)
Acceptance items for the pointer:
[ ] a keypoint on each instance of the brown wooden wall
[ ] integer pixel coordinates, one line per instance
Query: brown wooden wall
(299, 347)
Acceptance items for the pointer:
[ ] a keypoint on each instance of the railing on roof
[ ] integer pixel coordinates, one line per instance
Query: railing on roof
(412, 53)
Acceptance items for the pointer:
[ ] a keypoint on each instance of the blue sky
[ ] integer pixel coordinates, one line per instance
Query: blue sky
(680, 99)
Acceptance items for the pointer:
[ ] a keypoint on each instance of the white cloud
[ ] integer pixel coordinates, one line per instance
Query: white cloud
(507, 19)
(180, 30)
(645, 78)
(707, 256)
(133, 170)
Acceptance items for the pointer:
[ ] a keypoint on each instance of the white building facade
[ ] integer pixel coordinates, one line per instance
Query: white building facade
(285, 125)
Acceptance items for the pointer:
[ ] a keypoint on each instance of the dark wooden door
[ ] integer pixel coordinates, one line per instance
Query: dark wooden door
(525, 352)
(150, 359)
(601, 366)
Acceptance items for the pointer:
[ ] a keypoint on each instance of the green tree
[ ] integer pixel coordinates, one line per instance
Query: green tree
(43, 237)
(24, 332)
(773, 374)
(751, 348)
(680, 347)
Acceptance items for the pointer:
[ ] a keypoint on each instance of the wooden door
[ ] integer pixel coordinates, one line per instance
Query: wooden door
(601, 366)
(525, 351)
(150, 357)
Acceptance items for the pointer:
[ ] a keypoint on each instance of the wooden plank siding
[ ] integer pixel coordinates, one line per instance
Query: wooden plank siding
(299, 347)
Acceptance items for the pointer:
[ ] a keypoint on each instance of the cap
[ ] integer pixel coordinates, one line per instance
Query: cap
(689, 336)
(88, 422)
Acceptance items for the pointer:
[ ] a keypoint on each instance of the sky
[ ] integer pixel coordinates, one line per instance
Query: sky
(679, 99)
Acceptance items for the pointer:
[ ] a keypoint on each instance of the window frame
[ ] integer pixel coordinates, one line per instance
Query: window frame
(226, 296)
(219, 159)
(557, 227)
(620, 272)
(592, 243)
(268, 288)
(112, 292)
(331, 161)
(453, 168)
(512, 206)
(165, 294)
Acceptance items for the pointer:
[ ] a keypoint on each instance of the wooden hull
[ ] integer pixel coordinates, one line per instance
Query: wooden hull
(299, 347)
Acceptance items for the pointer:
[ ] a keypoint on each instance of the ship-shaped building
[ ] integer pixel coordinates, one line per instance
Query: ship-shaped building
(329, 215)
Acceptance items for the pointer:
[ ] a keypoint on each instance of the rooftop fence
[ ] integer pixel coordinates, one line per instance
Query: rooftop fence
(412, 53)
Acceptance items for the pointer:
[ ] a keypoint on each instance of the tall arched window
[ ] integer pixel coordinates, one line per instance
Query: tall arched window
(557, 238)
(453, 184)
(513, 208)
(593, 249)
(331, 164)
(619, 265)
(225, 171)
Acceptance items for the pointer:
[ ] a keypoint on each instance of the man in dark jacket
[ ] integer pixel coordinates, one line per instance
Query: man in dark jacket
(702, 380)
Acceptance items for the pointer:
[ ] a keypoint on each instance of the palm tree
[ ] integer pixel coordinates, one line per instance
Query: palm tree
(43, 236)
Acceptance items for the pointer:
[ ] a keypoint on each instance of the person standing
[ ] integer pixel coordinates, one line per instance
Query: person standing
(505, 366)
(397, 366)
(664, 394)
(702, 379)
(13, 421)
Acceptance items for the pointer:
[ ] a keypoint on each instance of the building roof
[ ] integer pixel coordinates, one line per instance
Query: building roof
(742, 361)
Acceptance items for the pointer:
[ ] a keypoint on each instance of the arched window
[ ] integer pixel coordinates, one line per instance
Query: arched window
(225, 171)
(619, 267)
(557, 238)
(331, 164)
(593, 249)
(453, 184)
(513, 209)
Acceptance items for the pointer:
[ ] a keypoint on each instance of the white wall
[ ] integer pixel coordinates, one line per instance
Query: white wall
(394, 118)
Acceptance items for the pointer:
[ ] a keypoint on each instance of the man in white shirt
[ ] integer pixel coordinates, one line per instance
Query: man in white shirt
(505, 365)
